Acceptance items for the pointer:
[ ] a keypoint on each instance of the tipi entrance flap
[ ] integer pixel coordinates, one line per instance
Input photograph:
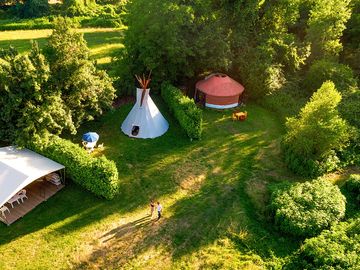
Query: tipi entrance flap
(135, 131)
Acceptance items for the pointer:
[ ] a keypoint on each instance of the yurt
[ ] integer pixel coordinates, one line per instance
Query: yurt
(144, 120)
(219, 91)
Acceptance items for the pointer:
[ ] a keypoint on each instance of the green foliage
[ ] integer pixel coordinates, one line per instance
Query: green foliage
(324, 70)
(350, 108)
(48, 23)
(325, 27)
(305, 209)
(30, 111)
(35, 8)
(173, 39)
(287, 101)
(336, 248)
(351, 39)
(86, 91)
(98, 175)
(184, 110)
(25, 24)
(353, 185)
(316, 133)
(73, 8)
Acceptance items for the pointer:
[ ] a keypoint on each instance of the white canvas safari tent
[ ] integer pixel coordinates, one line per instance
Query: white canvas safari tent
(144, 120)
(19, 169)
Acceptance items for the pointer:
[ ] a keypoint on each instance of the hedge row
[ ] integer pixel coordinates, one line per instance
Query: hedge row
(47, 23)
(184, 110)
(98, 175)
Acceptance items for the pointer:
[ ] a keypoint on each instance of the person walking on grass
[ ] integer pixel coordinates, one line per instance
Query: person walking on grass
(159, 210)
(152, 207)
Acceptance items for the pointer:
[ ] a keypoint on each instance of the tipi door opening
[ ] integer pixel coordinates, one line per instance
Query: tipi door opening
(135, 131)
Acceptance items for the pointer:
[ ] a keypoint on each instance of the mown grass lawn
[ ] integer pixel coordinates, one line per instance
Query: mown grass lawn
(214, 193)
(102, 42)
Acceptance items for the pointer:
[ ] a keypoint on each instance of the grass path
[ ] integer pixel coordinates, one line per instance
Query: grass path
(213, 192)
(102, 42)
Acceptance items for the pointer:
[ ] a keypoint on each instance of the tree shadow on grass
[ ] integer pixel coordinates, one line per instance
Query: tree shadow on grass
(138, 163)
(212, 171)
(62, 206)
(219, 208)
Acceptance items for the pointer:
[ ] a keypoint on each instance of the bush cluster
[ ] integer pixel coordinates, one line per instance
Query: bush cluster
(98, 175)
(325, 70)
(184, 110)
(305, 209)
(337, 248)
(353, 185)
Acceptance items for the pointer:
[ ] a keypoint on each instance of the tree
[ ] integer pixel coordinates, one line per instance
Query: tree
(30, 111)
(78, 7)
(175, 40)
(324, 70)
(325, 27)
(35, 8)
(86, 91)
(314, 136)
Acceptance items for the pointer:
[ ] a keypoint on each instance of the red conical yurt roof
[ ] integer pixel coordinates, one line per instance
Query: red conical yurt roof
(220, 85)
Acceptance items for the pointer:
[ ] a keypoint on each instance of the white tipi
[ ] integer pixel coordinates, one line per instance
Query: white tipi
(144, 120)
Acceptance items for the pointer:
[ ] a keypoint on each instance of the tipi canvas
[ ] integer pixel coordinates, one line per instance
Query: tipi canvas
(144, 120)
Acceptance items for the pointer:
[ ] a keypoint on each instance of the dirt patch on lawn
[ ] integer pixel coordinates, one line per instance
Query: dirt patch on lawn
(189, 175)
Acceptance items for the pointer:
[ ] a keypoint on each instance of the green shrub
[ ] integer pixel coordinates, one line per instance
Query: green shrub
(73, 8)
(350, 108)
(305, 209)
(98, 175)
(315, 136)
(337, 248)
(286, 101)
(184, 110)
(101, 22)
(35, 8)
(324, 70)
(353, 185)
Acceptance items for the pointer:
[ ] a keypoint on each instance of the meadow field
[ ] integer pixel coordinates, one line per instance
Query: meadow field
(213, 192)
(102, 42)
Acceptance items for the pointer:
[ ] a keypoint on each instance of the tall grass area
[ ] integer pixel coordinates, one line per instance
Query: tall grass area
(214, 194)
(102, 42)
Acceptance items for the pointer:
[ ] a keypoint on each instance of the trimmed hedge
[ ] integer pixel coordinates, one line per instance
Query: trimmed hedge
(184, 109)
(305, 209)
(98, 175)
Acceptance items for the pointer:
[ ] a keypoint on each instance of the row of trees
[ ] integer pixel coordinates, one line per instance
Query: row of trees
(269, 46)
(267, 40)
(39, 8)
(47, 92)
